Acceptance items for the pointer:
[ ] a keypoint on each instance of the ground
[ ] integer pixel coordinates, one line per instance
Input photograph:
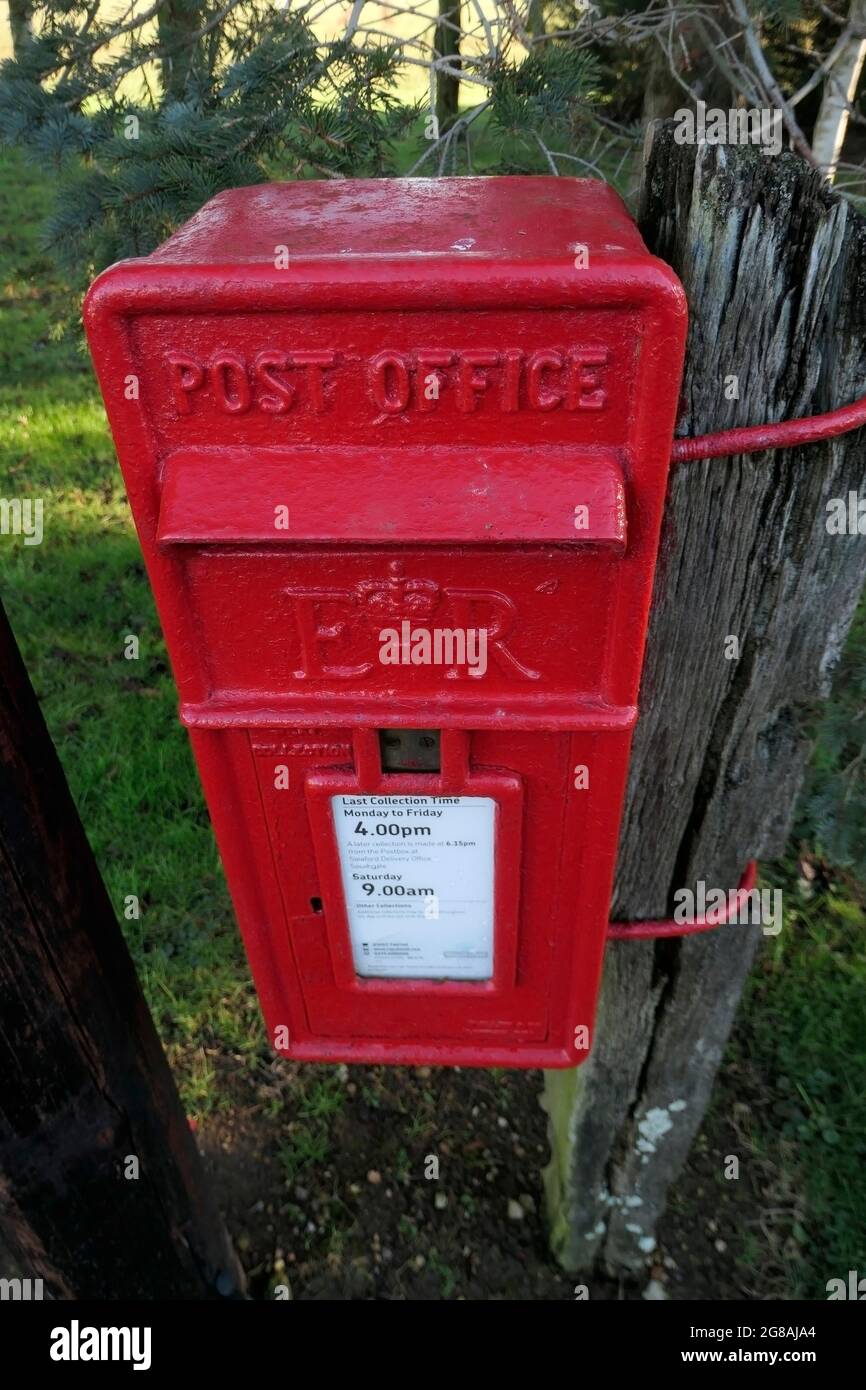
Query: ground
(323, 1171)
(341, 1207)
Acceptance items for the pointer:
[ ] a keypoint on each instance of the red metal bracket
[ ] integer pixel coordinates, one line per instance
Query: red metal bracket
(646, 931)
(785, 435)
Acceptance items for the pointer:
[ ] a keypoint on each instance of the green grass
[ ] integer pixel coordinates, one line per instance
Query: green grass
(803, 1030)
(319, 1096)
(72, 602)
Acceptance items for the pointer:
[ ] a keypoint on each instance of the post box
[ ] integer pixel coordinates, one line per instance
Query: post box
(397, 453)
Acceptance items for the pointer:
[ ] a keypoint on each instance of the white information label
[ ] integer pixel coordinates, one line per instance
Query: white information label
(418, 882)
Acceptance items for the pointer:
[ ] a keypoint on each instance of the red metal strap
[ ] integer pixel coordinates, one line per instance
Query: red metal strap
(753, 438)
(643, 931)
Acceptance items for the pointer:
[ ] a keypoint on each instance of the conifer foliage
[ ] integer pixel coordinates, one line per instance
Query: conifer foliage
(146, 108)
(146, 113)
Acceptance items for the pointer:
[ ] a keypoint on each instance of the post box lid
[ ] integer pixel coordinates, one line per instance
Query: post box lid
(521, 219)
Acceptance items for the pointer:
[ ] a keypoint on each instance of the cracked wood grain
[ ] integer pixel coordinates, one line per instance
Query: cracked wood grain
(774, 267)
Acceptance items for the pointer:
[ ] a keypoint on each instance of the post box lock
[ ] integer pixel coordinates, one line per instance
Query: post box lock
(399, 494)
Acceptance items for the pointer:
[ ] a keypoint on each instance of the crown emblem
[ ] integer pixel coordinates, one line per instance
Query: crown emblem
(397, 597)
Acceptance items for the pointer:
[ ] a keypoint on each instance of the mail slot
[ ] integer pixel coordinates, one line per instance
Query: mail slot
(397, 453)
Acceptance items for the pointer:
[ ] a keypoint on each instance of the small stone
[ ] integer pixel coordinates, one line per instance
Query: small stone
(515, 1210)
(655, 1292)
(419, 1262)
(440, 1201)
(527, 1201)
(501, 1121)
(343, 1073)
(721, 1246)
(374, 1177)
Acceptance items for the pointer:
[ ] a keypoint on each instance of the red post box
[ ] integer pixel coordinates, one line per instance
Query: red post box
(397, 454)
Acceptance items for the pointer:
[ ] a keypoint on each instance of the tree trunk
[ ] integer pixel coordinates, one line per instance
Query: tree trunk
(536, 20)
(20, 25)
(663, 94)
(774, 266)
(178, 22)
(103, 1192)
(840, 89)
(692, 67)
(448, 46)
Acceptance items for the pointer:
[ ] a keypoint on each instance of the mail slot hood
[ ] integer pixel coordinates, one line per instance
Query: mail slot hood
(433, 495)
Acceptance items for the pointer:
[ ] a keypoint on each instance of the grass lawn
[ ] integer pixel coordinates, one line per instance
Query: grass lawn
(73, 601)
(319, 1166)
(803, 1029)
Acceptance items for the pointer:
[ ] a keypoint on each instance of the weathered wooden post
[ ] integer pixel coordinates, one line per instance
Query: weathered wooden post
(103, 1190)
(774, 266)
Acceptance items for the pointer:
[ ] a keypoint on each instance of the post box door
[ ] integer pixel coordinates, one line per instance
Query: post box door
(479, 826)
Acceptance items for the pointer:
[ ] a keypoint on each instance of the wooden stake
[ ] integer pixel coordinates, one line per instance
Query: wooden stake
(774, 266)
(87, 1100)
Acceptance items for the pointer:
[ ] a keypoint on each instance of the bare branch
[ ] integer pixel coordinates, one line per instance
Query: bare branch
(762, 67)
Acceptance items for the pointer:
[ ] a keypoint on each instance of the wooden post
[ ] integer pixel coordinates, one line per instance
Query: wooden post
(103, 1191)
(774, 266)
